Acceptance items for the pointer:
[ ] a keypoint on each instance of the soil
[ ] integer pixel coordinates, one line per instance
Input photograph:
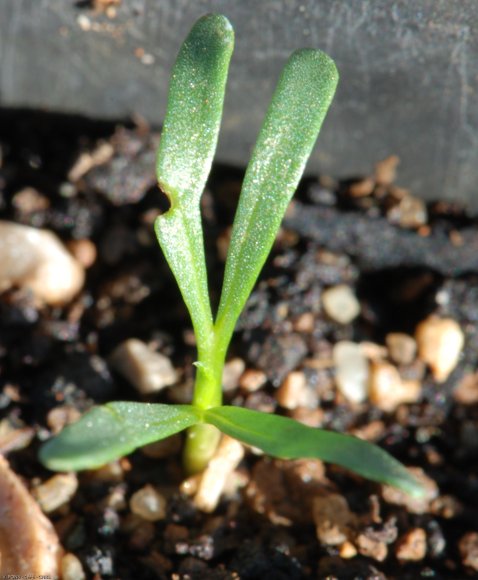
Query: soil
(348, 232)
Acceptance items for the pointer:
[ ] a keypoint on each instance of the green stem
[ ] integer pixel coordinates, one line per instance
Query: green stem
(202, 440)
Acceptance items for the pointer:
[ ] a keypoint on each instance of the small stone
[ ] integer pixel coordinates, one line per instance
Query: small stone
(401, 347)
(87, 160)
(466, 392)
(373, 351)
(386, 170)
(232, 372)
(347, 550)
(294, 392)
(341, 304)
(412, 547)
(305, 323)
(61, 416)
(415, 505)
(351, 371)
(84, 251)
(371, 547)
(29, 544)
(148, 371)
(440, 342)
(37, 260)
(252, 380)
(112, 472)
(227, 457)
(56, 491)
(334, 521)
(387, 389)
(28, 200)
(71, 568)
(411, 212)
(148, 504)
(468, 547)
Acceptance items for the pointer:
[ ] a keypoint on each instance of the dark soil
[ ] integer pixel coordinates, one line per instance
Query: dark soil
(57, 357)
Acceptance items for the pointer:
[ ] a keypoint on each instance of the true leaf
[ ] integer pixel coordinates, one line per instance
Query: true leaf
(292, 123)
(111, 431)
(187, 146)
(283, 437)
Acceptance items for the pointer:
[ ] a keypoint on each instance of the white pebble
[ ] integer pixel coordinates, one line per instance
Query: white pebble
(71, 568)
(146, 370)
(148, 504)
(227, 457)
(36, 259)
(351, 371)
(341, 304)
(440, 342)
(231, 374)
(56, 491)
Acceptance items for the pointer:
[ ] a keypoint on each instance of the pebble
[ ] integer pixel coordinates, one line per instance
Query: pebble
(466, 392)
(71, 568)
(56, 491)
(387, 389)
(371, 547)
(347, 550)
(305, 323)
(341, 304)
(468, 546)
(411, 212)
(351, 371)
(252, 380)
(29, 545)
(294, 392)
(148, 504)
(84, 251)
(334, 521)
(61, 416)
(227, 457)
(402, 348)
(231, 374)
(37, 260)
(440, 342)
(412, 547)
(386, 170)
(148, 371)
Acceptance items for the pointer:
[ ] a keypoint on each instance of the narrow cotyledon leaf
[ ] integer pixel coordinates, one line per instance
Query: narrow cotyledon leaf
(111, 431)
(292, 123)
(283, 437)
(187, 146)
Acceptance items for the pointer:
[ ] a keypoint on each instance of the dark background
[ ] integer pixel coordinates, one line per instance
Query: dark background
(409, 75)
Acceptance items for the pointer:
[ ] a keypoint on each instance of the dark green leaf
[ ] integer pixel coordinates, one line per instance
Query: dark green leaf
(187, 146)
(283, 437)
(289, 131)
(111, 431)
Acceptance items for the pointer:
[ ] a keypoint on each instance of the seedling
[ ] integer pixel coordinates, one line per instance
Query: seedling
(188, 143)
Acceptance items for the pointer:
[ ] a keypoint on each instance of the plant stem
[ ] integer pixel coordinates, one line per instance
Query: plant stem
(202, 440)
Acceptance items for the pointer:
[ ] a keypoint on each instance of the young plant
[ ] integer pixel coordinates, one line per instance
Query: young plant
(188, 143)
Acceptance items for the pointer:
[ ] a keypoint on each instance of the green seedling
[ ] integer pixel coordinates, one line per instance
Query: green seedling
(292, 123)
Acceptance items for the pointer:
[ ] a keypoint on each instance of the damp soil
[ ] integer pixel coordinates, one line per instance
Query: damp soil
(334, 233)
